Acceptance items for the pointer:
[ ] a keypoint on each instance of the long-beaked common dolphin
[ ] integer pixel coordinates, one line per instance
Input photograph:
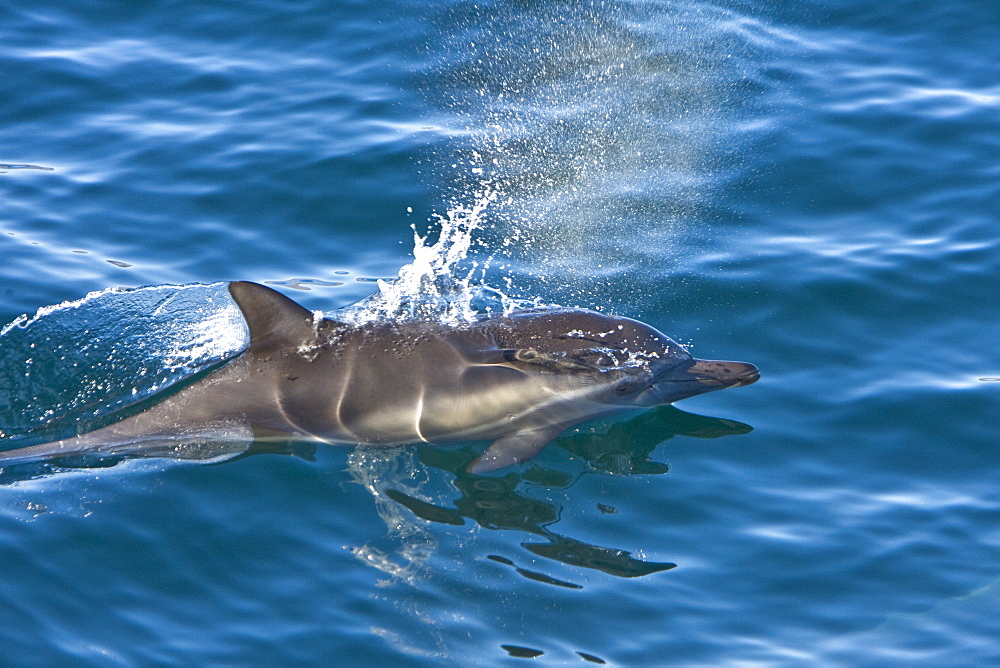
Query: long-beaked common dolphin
(518, 380)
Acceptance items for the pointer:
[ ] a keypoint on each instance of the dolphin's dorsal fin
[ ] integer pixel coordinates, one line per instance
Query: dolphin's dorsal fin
(273, 319)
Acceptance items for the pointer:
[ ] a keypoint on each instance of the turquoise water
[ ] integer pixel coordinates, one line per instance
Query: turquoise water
(811, 187)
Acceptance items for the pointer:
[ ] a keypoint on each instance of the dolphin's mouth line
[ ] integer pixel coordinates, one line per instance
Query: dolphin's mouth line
(741, 381)
(713, 383)
(748, 378)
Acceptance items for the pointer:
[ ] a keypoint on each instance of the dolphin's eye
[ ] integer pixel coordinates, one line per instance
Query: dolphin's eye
(597, 357)
(520, 355)
(558, 361)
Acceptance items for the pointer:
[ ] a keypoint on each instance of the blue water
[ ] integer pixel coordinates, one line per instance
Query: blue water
(811, 187)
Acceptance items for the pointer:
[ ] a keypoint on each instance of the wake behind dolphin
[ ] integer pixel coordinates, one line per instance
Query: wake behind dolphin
(518, 380)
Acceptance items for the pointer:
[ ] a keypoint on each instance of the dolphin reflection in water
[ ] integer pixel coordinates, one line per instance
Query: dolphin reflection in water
(522, 500)
(518, 380)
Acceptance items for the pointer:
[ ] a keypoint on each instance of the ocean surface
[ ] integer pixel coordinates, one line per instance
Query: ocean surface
(812, 187)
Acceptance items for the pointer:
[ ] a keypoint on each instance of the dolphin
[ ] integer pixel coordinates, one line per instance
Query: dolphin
(518, 380)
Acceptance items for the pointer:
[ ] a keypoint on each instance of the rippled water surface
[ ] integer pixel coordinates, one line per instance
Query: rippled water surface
(808, 186)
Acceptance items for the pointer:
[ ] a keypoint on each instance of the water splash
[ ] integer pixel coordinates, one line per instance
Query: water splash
(605, 129)
(446, 280)
(109, 350)
(585, 143)
(411, 543)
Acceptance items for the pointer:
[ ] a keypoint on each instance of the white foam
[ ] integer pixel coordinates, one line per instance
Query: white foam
(441, 283)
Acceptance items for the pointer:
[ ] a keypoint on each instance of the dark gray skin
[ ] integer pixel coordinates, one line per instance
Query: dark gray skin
(518, 380)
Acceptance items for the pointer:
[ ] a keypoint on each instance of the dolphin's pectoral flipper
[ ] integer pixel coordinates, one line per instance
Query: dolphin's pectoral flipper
(514, 448)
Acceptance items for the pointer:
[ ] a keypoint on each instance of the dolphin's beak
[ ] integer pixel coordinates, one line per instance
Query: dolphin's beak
(716, 374)
(697, 378)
